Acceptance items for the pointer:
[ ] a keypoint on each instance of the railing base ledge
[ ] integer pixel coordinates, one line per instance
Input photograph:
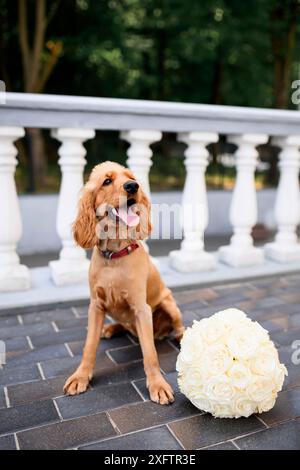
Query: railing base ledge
(282, 253)
(14, 278)
(64, 273)
(236, 258)
(188, 261)
(45, 294)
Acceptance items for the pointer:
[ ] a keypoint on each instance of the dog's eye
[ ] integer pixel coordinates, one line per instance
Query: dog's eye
(107, 181)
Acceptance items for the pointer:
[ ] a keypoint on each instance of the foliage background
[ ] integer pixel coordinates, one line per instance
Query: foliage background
(229, 52)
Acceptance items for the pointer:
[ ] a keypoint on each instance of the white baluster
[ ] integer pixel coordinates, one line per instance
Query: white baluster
(192, 256)
(139, 158)
(72, 266)
(139, 153)
(243, 209)
(13, 275)
(287, 205)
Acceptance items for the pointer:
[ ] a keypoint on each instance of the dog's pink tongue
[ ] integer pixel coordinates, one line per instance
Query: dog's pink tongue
(128, 217)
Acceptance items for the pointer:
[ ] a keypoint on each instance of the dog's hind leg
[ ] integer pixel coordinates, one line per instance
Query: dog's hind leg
(169, 306)
(113, 329)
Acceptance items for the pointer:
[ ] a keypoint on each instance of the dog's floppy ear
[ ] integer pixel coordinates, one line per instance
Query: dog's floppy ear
(84, 227)
(145, 226)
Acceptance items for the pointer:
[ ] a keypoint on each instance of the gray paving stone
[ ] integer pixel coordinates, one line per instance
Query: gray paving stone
(195, 295)
(16, 344)
(134, 353)
(105, 344)
(148, 414)
(48, 316)
(60, 337)
(153, 439)
(13, 355)
(26, 416)
(37, 355)
(227, 301)
(67, 365)
(94, 401)
(287, 407)
(293, 378)
(37, 390)
(223, 446)
(261, 314)
(116, 374)
(189, 316)
(204, 430)
(2, 398)
(15, 375)
(167, 362)
(25, 330)
(72, 322)
(291, 297)
(82, 311)
(286, 338)
(67, 434)
(285, 436)
(11, 320)
(63, 366)
(7, 443)
(202, 312)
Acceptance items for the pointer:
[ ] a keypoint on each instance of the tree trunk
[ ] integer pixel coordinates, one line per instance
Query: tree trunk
(283, 38)
(36, 71)
(162, 45)
(37, 158)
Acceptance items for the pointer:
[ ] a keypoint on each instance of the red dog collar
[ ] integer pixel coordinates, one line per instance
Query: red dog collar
(119, 254)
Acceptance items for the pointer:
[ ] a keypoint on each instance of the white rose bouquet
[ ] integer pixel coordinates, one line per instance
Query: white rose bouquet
(228, 366)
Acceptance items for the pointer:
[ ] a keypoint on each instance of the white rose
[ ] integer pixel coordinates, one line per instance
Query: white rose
(261, 333)
(244, 407)
(192, 381)
(279, 376)
(201, 403)
(215, 360)
(190, 349)
(239, 375)
(219, 389)
(265, 362)
(211, 331)
(267, 404)
(222, 410)
(260, 388)
(242, 342)
(232, 315)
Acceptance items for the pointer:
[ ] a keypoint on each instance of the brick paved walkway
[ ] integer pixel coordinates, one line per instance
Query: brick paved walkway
(44, 347)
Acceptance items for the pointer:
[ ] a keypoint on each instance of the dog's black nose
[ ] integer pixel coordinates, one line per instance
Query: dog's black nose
(131, 187)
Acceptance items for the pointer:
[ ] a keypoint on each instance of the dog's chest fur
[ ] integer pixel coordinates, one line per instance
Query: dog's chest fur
(114, 293)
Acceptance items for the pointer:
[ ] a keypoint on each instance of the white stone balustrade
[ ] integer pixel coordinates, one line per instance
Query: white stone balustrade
(141, 123)
(243, 210)
(286, 247)
(192, 256)
(72, 266)
(13, 275)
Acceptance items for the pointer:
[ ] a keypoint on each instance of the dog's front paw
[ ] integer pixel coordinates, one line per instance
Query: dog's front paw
(76, 383)
(160, 391)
